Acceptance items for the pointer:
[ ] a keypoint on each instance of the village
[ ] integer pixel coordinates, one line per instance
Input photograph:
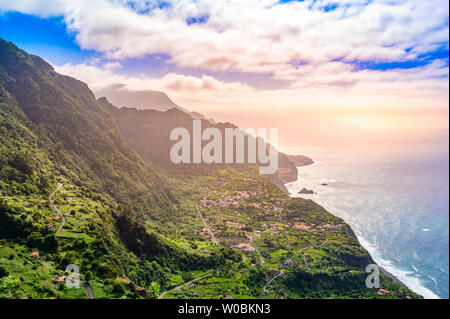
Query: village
(229, 217)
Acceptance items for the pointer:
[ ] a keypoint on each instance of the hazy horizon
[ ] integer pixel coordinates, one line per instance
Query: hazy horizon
(387, 82)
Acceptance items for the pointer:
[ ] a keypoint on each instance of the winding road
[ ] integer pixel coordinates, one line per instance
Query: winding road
(184, 284)
(301, 251)
(306, 262)
(260, 256)
(213, 238)
(326, 241)
(272, 279)
(63, 222)
(311, 247)
(304, 259)
(258, 251)
(88, 289)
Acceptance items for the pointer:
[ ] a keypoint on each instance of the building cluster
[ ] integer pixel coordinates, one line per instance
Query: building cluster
(269, 206)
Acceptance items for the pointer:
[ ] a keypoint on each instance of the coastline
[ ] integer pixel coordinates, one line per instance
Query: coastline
(417, 288)
(382, 269)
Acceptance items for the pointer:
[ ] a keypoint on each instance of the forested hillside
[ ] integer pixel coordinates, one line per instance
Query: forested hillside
(148, 132)
(78, 186)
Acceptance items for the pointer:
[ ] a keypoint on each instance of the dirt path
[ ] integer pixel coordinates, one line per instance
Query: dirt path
(184, 284)
(52, 204)
(213, 238)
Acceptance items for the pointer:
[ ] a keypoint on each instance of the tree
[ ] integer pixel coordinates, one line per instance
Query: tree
(154, 289)
(23, 162)
(88, 276)
(3, 272)
(49, 242)
(10, 285)
(3, 205)
(118, 288)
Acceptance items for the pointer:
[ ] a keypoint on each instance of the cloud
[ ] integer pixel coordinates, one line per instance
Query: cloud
(315, 45)
(112, 65)
(254, 35)
(203, 88)
(330, 85)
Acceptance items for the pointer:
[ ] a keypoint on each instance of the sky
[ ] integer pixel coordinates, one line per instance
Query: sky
(320, 71)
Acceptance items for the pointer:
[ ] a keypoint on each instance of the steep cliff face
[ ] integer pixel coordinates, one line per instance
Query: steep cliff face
(287, 169)
(59, 118)
(300, 160)
(153, 100)
(148, 132)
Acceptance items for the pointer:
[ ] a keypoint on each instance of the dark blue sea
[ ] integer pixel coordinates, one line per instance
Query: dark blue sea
(398, 208)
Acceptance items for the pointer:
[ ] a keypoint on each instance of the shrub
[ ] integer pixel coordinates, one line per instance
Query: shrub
(3, 272)
(88, 276)
(23, 162)
(118, 288)
(154, 289)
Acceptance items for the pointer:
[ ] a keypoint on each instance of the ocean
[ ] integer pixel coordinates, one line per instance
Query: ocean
(398, 208)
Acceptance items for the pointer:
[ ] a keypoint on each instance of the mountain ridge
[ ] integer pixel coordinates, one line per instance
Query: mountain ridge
(143, 100)
(137, 232)
(147, 130)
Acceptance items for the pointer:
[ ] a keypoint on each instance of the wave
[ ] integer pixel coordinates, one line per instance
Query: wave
(413, 279)
(408, 278)
(405, 276)
(433, 279)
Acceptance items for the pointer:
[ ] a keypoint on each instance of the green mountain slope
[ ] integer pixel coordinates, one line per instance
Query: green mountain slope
(79, 137)
(52, 129)
(79, 186)
(148, 132)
